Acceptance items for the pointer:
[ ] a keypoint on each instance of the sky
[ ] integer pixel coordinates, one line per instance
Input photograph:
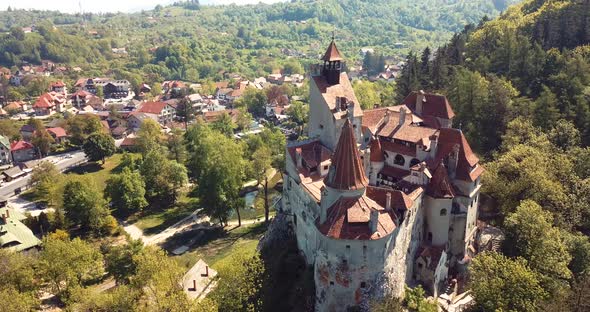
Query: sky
(73, 6)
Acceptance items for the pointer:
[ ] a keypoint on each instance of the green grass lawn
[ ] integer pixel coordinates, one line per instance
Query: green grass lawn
(237, 240)
(156, 220)
(98, 172)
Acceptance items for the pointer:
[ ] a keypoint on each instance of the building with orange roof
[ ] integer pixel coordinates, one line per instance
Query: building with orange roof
(381, 198)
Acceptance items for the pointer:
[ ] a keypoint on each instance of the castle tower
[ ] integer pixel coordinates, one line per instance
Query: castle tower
(332, 64)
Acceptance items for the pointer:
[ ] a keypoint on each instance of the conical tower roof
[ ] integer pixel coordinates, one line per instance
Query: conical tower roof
(332, 54)
(347, 171)
(440, 186)
(376, 151)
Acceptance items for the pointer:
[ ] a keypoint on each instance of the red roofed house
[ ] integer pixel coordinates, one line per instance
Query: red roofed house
(22, 151)
(59, 87)
(163, 110)
(380, 198)
(48, 104)
(59, 134)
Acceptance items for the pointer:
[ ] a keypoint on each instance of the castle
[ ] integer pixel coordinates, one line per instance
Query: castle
(381, 198)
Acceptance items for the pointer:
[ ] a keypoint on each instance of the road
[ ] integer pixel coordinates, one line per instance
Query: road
(62, 162)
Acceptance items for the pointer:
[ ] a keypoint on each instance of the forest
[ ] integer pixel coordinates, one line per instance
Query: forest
(520, 88)
(191, 42)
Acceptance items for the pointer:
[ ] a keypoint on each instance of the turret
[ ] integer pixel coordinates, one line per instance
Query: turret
(332, 64)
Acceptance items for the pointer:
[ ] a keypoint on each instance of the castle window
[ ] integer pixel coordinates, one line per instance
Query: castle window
(344, 261)
(321, 126)
(399, 160)
(443, 212)
(430, 237)
(414, 162)
(331, 283)
(363, 284)
(365, 251)
(419, 265)
(325, 167)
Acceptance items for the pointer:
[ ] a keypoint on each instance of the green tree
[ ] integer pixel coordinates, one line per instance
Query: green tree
(415, 301)
(126, 191)
(44, 178)
(84, 206)
(239, 285)
(298, 112)
(255, 100)
(99, 146)
(15, 301)
(260, 164)
(501, 284)
(546, 111)
(176, 145)
(79, 127)
(366, 93)
(530, 234)
(163, 177)
(148, 136)
(119, 261)
(224, 124)
(18, 271)
(41, 138)
(65, 264)
(220, 175)
(565, 135)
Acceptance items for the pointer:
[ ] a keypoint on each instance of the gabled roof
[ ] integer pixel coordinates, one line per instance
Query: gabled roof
(330, 93)
(440, 185)
(349, 218)
(59, 132)
(44, 101)
(20, 145)
(433, 105)
(332, 54)
(448, 139)
(347, 171)
(399, 199)
(153, 107)
(17, 236)
(376, 151)
(58, 84)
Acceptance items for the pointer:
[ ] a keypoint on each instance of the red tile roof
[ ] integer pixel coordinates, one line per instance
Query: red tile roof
(376, 151)
(435, 105)
(44, 101)
(349, 218)
(129, 142)
(448, 138)
(332, 54)
(394, 172)
(152, 107)
(341, 90)
(399, 200)
(440, 186)
(59, 132)
(347, 171)
(58, 84)
(20, 145)
(313, 154)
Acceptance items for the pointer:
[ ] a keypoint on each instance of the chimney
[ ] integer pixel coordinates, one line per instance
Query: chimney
(298, 157)
(453, 161)
(7, 213)
(194, 285)
(420, 99)
(388, 201)
(374, 220)
(350, 113)
(433, 145)
(402, 116)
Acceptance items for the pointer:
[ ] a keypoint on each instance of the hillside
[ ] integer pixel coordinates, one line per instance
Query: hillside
(199, 42)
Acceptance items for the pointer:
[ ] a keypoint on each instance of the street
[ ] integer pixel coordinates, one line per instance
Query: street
(62, 162)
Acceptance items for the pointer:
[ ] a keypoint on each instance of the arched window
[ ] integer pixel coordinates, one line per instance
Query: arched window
(430, 237)
(414, 162)
(443, 212)
(399, 160)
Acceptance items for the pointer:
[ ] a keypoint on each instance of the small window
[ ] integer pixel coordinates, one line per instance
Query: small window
(325, 167)
(430, 237)
(331, 283)
(443, 212)
(363, 285)
(321, 126)
(344, 261)
(354, 126)
(399, 160)
(419, 265)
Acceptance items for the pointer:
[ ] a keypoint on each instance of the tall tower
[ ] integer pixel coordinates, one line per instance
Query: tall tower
(332, 64)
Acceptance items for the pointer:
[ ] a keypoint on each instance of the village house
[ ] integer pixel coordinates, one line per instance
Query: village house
(174, 89)
(15, 107)
(382, 198)
(58, 134)
(14, 235)
(22, 151)
(135, 119)
(116, 89)
(48, 104)
(163, 110)
(5, 157)
(58, 87)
